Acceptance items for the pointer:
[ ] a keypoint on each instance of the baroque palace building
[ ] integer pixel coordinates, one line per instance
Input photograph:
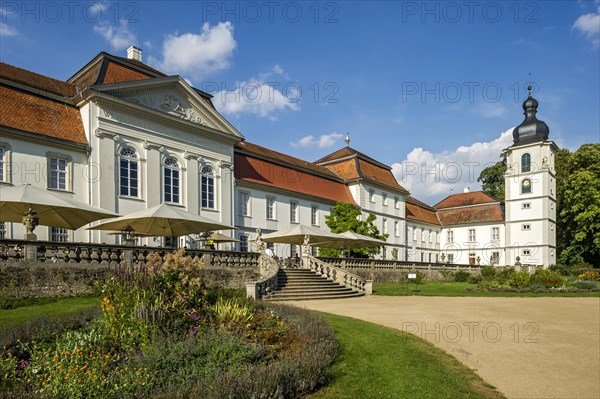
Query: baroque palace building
(123, 136)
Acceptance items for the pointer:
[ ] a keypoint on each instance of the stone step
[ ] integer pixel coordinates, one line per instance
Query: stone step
(302, 284)
(315, 289)
(277, 296)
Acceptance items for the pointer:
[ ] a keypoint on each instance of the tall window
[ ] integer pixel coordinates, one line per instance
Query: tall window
(495, 259)
(2, 152)
(294, 212)
(525, 162)
(450, 258)
(450, 236)
(384, 225)
(2, 230)
(314, 215)
(414, 234)
(396, 228)
(293, 250)
(471, 235)
(243, 243)
(171, 173)
(526, 186)
(58, 234)
(495, 233)
(57, 173)
(385, 199)
(128, 168)
(270, 207)
(372, 195)
(431, 236)
(244, 203)
(208, 187)
(396, 202)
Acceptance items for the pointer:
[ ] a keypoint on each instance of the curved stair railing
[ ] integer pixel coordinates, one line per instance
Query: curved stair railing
(268, 282)
(338, 275)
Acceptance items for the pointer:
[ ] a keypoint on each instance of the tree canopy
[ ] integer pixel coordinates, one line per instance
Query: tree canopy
(492, 179)
(347, 217)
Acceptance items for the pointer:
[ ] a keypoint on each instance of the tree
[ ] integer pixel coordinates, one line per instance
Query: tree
(347, 217)
(579, 206)
(492, 179)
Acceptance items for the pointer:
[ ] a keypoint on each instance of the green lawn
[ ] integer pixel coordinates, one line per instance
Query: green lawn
(442, 288)
(379, 362)
(57, 307)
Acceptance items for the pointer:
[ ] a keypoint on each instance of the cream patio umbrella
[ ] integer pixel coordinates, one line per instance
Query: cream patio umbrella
(162, 220)
(353, 240)
(33, 206)
(217, 238)
(298, 233)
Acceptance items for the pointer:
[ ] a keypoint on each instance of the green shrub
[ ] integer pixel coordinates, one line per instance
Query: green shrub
(520, 280)
(488, 272)
(548, 278)
(475, 278)
(586, 285)
(461, 276)
(504, 274)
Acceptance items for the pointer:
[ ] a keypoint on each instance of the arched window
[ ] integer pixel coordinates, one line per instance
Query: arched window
(525, 162)
(208, 187)
(526, 186)
(128, 170)
(171, 183)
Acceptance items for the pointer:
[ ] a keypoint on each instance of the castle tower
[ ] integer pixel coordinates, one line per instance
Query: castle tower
(530, 195)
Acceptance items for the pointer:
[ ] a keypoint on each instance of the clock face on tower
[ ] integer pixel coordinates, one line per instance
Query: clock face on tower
(526, 183)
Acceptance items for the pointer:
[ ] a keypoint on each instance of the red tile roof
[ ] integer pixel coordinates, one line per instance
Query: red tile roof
(418, 211)
(265, 153)
(474, 214)
(259, 171)
(465, 199)
(36, 114)
(352, 164)
(116, 73)
(36, 81)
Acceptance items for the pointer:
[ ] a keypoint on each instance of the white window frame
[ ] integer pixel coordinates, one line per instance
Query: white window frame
(396, 202)
(294, 212)
(244, 247)
(472, 235)
(396, 228)
(3, 230)
(64, 172)
(384, 225)
(526, 252)
(58, 234)
(3, 163)
(314, 215)
(371, 195)
(207, 181)
(384, 199)
(526, 205)
(174, 172)
(526, 227)
(270, 207)
(6, 160)
(244, 203)
(450, 236)
(495, 258)
(129, 160)
(525, 166)
(431, 232)
(495, 233)
(450, 258)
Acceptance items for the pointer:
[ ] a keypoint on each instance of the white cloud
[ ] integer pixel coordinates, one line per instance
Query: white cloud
(198, 55)
(118, 36)
(323, 141)
(431, 177)
(7, 30)
(589, 25)
(263, 96)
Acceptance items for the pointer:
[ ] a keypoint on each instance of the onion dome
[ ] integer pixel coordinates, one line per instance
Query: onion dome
(531, 129)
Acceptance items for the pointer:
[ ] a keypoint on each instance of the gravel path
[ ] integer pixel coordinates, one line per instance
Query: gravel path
(526, 347)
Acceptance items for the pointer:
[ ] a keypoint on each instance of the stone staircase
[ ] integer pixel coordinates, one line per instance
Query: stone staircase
(303, 284)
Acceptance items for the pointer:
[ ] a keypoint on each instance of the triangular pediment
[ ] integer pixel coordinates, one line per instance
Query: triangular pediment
(174, 97)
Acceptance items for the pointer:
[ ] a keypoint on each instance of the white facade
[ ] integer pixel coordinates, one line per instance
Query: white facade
(531, 204)
(482, 243)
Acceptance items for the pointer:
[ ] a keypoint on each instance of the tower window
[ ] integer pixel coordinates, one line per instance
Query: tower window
(526, 186)
(526, 163)
(526, 205)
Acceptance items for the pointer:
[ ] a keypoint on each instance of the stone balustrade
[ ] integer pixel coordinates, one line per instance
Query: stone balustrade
(111, 255)
(394, 265)
(338, 274)
(268, 283)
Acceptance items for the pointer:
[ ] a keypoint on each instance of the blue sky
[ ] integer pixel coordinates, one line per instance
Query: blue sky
(416, 84)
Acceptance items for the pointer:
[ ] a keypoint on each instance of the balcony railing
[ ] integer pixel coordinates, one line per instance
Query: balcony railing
(393, 265)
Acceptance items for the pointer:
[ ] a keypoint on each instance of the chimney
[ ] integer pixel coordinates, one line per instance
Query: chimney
(134, 53)
(466, 190)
